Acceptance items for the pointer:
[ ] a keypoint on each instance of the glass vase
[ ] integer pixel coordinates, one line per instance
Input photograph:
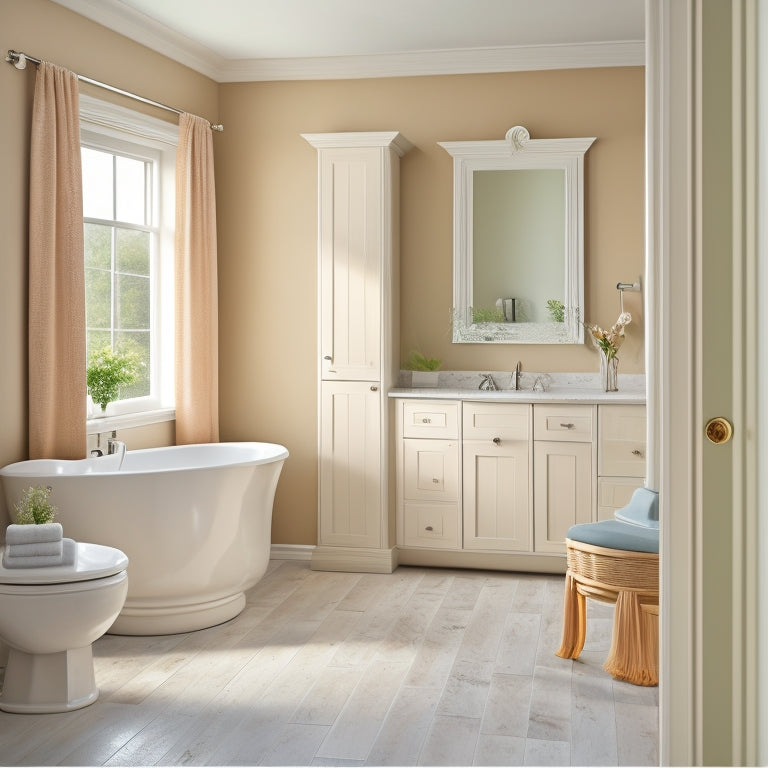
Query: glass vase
(609, 372)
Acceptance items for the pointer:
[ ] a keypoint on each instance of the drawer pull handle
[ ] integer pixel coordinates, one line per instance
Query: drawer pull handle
(568, 426)
(435, 479)
(497, 440)
(429, 528)
(637, 453)
(426, 421)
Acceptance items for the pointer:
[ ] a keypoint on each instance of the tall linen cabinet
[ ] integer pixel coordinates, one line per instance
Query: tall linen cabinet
(358, 340)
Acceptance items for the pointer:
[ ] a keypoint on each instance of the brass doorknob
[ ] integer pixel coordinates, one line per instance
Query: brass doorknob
(718, 430)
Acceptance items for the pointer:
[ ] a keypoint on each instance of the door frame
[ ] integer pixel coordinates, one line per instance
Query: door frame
(709, 691)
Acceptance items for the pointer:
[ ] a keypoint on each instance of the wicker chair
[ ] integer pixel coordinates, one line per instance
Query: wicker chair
(625, 573)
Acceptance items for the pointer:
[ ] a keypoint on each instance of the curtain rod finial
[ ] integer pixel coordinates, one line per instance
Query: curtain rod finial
(19, 60)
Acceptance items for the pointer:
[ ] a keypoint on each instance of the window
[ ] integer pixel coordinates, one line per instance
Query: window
(128, 162)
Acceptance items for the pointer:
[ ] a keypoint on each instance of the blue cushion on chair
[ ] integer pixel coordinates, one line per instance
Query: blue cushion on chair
(614, 534)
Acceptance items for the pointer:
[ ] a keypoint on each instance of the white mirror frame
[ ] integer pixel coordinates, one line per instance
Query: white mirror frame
(517, 150)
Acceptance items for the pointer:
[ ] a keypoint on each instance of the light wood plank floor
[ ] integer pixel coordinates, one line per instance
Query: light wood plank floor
(419, 667)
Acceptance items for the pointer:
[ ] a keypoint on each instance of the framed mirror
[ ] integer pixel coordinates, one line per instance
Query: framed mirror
(518, 239)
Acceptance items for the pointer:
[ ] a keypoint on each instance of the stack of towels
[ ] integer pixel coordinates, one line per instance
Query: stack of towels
(36, 546)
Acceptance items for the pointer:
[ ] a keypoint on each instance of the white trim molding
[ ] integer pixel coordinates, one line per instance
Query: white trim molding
(144, 30)
(301, 552)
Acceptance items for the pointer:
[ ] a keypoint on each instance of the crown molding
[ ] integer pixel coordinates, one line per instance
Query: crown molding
(146, 31)
(444, 62)
(142, 29)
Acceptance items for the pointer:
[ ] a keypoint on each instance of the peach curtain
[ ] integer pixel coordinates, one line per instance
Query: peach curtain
(57, 388)
(197, 354)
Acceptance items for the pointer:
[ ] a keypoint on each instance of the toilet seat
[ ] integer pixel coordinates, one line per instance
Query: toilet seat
(92, 561)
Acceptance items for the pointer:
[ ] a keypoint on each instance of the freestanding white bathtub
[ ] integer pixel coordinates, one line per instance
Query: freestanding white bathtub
(194, 520)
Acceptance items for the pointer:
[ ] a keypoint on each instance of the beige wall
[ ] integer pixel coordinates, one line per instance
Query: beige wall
(267, 203)
(267, 178)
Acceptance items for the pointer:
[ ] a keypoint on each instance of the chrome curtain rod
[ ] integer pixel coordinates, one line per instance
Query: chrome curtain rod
(19, 60)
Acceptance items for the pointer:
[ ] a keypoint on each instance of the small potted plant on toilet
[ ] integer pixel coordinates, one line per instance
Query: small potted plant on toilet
(34, 526)
(107, 371)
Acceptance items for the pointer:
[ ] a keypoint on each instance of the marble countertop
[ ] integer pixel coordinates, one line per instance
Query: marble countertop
(550, 388)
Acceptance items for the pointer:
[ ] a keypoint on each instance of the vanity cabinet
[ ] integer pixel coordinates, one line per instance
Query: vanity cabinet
(563, 460)
(499, 484)
(496, 455)
(358, 205)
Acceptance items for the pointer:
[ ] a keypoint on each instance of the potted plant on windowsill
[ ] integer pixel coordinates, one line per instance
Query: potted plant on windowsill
(107, 371)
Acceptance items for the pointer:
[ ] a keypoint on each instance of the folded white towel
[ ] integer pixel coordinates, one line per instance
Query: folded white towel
(69, 551)
(33, 534)
(38, 549)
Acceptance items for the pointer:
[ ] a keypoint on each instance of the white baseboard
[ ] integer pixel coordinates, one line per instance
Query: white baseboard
(291, 552)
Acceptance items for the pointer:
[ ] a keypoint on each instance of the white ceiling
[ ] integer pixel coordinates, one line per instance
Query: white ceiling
(237, 40)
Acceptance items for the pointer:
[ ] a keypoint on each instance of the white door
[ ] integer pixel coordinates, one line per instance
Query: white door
(350, 465)
(351, 264)
(703, 364)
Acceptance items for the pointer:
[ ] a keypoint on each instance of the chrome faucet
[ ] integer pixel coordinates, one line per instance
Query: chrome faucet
(518, 367)
(487, 384)
(113, 446)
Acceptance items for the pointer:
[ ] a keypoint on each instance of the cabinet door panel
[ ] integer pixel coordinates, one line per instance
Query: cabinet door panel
(431, 470)
(497, 496)
(562, 491)
(350, 265)
(622, 440)
(350, 468)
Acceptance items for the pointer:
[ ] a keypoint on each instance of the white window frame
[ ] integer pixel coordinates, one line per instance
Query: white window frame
(114, 128)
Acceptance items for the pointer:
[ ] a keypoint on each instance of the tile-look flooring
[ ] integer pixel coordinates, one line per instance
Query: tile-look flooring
(419, 667)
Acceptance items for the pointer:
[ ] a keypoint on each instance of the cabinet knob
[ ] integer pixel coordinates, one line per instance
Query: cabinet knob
(429, 528)
(327, 357)
(374, 388)
(426, 421)
(497, 440)
(435, 479)
(568, 426)
(637, 453)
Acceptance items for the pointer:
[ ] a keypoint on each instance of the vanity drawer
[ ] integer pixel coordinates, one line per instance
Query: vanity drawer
(614, 493)
(431, 525)
(431, 418)
(565, 423)
(622, 447)
(488, 421)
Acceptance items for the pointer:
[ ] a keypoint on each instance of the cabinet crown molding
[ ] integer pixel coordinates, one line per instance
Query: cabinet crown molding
(393, 139)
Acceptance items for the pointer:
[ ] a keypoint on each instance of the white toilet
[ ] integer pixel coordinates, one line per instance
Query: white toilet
(49, 617)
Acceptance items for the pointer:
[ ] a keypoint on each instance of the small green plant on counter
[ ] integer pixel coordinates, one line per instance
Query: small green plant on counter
(34, 507)
(418, 362)
(107, 371)
(556, 310)
(487, 315)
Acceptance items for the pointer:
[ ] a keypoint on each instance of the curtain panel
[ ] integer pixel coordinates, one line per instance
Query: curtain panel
(196, 286)
(57, 387)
